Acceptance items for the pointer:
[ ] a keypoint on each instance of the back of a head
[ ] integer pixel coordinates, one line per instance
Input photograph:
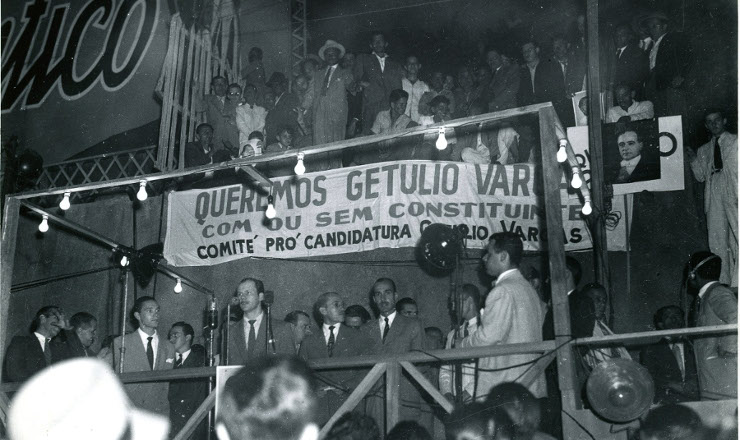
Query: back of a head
(511, 243)
(271, 398)
(671, 422)
(354, 426)
(88, 402)
(520, 404)
(408, 430)
(481, 421)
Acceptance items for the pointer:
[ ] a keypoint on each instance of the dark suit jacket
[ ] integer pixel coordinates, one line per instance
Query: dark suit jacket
(673, 59)
(24, 358)
(151, 396)
(283, 114)
(632, 68)
(582, 319)
(549, 86)
(67, 345)
(644, 170)
(284, 342)
(663, 367)
(375, 96)
(186, 395)
(503, 89)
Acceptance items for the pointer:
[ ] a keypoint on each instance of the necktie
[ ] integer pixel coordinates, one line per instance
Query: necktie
(623, 176)
(466, 333)
(679, 359)
(330, 344)
(717, 156)
(649, 46)
(327, 78)
(47, 351)
(150, 352)
(178, 362)
(386, 329)
(251, 339)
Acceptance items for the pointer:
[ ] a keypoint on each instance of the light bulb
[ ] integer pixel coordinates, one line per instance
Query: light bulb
(124, 261)
(44, 225)
(576, 181)
(142, 195)
(64, 204)
(178, 286)
(562, 155)
(441, 140)
(270, 212)
(300, 169)
(586, 210)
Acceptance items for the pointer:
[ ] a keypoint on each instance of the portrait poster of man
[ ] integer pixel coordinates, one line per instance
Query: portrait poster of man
(631, 152)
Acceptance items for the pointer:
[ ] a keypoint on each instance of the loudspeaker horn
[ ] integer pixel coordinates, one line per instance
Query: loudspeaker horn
(620, 390)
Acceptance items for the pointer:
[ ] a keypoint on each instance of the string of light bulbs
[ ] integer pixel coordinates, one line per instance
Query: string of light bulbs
(576, 181)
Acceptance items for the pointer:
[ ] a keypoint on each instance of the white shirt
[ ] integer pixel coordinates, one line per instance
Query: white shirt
(381, 60)
(505, 274)
(257, 322)
(155, 344)
(637, 111)
(249, 118)
(415, 90)
(381, 321)
(532, 70)
(706, 287)
(621, 51)
(630, 165)
(183, 356)
(336, 331)
(41, 338)
(654, 52)
(331, 70)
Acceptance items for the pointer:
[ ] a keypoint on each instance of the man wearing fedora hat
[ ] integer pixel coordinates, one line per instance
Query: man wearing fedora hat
(330, 103)
(670, 61)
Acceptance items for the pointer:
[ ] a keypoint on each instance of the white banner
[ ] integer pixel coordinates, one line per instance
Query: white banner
(357, 209)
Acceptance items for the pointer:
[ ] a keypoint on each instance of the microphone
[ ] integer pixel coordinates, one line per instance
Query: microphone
(268, 298)
(213, 313)
(234, 301)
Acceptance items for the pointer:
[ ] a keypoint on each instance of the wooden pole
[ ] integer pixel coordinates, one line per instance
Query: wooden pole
(392, 395)
(7, 256)
(552, 173)
(601, 256)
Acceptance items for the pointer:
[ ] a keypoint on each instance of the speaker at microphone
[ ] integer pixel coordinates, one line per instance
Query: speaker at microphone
(620, 390)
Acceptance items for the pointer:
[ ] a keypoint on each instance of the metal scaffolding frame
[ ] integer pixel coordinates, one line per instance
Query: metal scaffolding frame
(298, 33)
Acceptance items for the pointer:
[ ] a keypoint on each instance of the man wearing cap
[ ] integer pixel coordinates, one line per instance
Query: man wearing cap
(670, 61)
(144, 350)
(30, 353)
(285, 110)
(378, 75)
(331, 85)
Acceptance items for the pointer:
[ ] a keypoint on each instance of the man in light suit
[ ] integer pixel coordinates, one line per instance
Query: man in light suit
(220, 112)
(333, 340)
(248, 337)
(513, 314)
(186, 395)
(331, 86)
(378, 76)
(716, 304)
(145, 351)
(393, 333)
(504, 86)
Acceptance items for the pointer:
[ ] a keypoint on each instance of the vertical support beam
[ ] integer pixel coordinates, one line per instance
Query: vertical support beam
(7, 257)
(392, 395)
(551, 173)
(598, 228)
(298, 34)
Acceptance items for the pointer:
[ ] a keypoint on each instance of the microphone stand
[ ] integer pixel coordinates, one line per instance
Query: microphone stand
(124, 278)
(270, 337)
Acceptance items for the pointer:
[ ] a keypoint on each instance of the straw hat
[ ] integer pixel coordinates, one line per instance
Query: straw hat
(79, 399)
(329, 45)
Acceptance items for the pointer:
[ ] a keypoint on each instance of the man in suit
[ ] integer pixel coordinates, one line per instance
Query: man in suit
(28, 354)
(504, 86)
(542, 81)
(185, 396)
(513, 314)
(377, 75)
(629, 65)
(300, 324)
(670, 361)
(716, 304)
(221, 113)
(78, 340)
(448, 378)
(393, 333)
(333, 340)
(249, 336)
(284, 112)
(635, 166)
(331, 86)
(670, 61)
(145, 351)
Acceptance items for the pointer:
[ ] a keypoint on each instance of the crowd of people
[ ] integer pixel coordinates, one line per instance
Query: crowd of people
(516, 310)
